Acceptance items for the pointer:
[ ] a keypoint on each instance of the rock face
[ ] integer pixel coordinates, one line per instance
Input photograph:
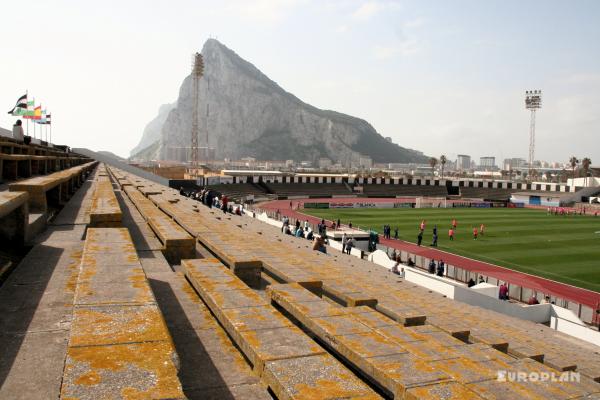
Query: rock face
(248, 115)
(152, 131)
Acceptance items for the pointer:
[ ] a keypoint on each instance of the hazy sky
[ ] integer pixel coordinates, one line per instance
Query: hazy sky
(438, 76)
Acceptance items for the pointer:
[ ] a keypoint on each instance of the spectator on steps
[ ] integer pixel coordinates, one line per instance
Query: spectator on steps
(338, 223)
(344, 242)
(440, 268)
(18, 131)
(471, 283)
(306, 225)
(319, 245)
(503, 292)
(410, 262)
(431, 266)
(481, 280)
(402, 273)
(349, 244)
(299, 232)
(533, 300)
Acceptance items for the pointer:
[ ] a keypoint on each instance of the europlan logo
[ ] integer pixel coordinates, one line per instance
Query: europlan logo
(532, 376)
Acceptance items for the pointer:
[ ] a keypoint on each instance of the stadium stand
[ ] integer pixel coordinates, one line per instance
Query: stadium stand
(239, 191)
(308, 189)
(516, 337)
(105, 316)
(52, 189)
(14, 216)
(404, 190)
(487, 193)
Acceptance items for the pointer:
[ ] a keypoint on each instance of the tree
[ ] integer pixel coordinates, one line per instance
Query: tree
(585, 163)
(574, 161)
(433, 162)
(443, 161)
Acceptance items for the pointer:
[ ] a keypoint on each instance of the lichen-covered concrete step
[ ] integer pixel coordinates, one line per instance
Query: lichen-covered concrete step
(177, 243)
(54, 188)
(119, 345)
(105, 211)
(408, 362)
(292, 364)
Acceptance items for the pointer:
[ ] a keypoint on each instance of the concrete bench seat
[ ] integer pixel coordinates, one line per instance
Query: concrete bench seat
(14, 217)
(177, 243)
(53, 188)
(105, 210)
(288, 361)
(118, 334)
(408, 362)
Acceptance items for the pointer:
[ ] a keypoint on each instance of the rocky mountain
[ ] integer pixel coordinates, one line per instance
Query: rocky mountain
(152, 131)
(246, 114)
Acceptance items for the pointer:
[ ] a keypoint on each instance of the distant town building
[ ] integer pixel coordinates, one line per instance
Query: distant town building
(463, 162)
(324, 163)
(514, 163)
(487, 162)
(289, 163)
(365, 162)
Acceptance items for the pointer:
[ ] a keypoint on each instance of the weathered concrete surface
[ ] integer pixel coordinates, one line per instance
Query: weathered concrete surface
(36, 304)
(210, 365)
(293, 365)
(449, 325)
(119, 344)
(105, 210)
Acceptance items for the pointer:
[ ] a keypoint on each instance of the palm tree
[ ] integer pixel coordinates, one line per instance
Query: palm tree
(433, 162)
(443, 161)
(585, 163)
(574, 161)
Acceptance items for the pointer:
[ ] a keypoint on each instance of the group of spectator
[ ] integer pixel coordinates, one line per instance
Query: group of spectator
(210, 198)
(438, 268)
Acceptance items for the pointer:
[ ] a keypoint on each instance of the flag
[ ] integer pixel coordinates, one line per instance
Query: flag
(34, 114)
(37, 113)
(20, 107)
(29, 113)
(42, 119)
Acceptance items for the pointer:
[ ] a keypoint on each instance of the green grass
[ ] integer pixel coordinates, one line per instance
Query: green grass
(562, 248)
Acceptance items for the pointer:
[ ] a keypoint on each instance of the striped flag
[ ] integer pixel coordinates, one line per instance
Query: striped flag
(34, 114)
(20, 107)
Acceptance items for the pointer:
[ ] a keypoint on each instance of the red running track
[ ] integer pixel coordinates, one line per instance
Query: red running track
(539, 284)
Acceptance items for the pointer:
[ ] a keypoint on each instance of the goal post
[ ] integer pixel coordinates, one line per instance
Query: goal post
(431, 202)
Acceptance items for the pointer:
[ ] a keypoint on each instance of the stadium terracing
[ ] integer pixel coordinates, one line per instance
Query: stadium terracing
(123, 288)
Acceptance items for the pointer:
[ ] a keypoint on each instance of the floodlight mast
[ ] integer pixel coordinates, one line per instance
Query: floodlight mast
(533, 102)
(197, 72)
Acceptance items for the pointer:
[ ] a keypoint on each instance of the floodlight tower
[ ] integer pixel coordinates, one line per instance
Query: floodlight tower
(533, 102)
(197, 72)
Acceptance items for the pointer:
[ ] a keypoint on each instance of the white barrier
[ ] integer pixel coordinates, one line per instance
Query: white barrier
(566, 321)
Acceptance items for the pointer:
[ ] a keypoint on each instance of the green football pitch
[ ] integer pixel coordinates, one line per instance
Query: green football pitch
(562, 248)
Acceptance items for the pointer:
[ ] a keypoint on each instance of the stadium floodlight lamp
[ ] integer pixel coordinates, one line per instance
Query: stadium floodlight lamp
(533, 99)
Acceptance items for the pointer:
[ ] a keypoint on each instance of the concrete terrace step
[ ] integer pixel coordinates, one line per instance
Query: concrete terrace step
(105, 211)
(177, 242)
(289, 362)
(119, 343)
